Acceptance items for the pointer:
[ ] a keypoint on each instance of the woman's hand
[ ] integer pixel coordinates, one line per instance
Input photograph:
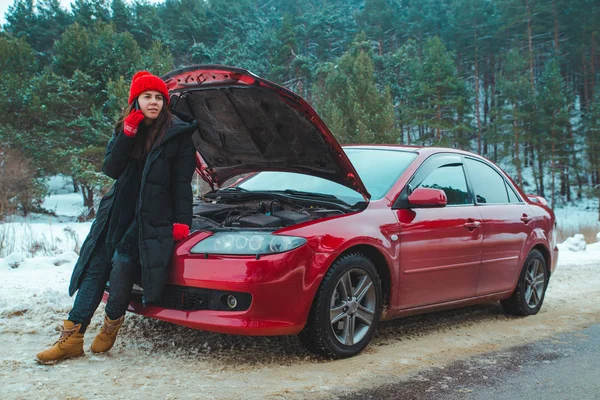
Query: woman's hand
(180, 231)
(131, 123)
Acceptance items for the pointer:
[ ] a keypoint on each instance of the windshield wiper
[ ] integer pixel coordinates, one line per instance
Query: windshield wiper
(233, 189)
(310, 194)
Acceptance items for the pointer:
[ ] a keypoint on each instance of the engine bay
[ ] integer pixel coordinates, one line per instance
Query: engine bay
(214, 213)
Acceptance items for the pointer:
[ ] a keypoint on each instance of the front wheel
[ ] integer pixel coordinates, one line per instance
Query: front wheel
(529, 294)
(346, 309)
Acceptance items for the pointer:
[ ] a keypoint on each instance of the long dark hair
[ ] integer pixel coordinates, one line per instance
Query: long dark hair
(154, 133)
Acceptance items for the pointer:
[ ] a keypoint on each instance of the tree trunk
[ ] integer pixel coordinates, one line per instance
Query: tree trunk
(585, 80)
(541, 168)
(535, 175)
(477, 116)
(553, 161)
(486, 109)
(492, 110)
(516, 159)
(530, 39)
(88, 201)
(555, 26)
(439, 117)
(593, 68)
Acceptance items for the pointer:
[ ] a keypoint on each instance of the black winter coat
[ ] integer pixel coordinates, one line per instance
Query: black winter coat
(165, 198)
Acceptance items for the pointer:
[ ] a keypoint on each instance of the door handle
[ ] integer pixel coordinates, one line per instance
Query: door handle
(526, 219)
(471, 224)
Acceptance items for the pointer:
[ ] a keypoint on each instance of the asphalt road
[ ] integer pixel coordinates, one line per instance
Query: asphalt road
(563, 367)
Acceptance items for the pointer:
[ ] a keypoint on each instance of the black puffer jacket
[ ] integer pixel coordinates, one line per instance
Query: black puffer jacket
(165, 199)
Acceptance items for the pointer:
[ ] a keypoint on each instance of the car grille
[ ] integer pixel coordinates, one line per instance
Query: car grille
(193, 299)
(185, 298)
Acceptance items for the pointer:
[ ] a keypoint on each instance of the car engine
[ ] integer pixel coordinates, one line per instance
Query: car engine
(256, 214)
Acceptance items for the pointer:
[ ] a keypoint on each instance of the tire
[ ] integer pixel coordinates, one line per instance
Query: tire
(338, 327)
(528, 297)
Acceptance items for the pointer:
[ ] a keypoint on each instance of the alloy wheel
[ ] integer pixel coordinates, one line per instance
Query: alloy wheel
(352, 306)
(535, 279)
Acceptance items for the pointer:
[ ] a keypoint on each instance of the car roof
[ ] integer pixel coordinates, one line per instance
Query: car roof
(415, 149)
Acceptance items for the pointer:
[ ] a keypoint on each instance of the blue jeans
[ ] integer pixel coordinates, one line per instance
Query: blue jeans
(121, 270)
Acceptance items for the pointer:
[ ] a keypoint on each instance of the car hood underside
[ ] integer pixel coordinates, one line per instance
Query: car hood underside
(246, 124)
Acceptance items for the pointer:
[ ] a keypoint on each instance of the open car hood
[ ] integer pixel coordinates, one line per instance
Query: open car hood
(248, 124)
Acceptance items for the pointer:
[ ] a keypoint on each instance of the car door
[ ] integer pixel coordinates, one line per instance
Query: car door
(506, 226)
(440, 248)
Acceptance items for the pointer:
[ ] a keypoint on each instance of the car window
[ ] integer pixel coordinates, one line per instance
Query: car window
(450, 179)
(379, 170)
(488, 185)
(512, 195)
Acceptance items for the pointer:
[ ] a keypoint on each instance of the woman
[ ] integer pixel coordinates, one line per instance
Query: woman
(152, 157)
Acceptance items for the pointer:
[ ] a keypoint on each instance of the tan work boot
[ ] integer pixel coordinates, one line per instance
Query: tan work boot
(70, 344)
(107, 336)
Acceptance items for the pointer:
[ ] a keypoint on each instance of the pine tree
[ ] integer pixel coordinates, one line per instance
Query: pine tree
(72, 51)
(592, 137)
(145, 25)
(17, 63)
(441, 98)
(352, 105)
(157, 59)
(89, 12)
(553, 119)
(122, 17)
(513, 125)
(21, 20)
(377, 20)
(285, 52)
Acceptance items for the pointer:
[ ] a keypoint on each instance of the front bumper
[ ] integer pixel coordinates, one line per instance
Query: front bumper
(281, 286)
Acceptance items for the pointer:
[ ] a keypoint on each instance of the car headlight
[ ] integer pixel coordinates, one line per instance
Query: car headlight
(247, 243)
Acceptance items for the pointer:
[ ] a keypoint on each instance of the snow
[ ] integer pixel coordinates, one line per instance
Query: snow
(41, 235)
(34, 299)
(589, 255)
(577, 216)
(574, 243)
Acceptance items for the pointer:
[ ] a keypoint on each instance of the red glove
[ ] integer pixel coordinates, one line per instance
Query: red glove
(131, 123)
(180, 231)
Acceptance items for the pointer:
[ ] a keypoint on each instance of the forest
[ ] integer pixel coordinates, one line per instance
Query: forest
(513, 80)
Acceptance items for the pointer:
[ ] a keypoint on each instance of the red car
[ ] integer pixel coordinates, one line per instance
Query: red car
(324, 241)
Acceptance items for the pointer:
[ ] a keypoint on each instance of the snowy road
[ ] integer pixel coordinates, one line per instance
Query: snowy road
(563, 367)
(157, 360)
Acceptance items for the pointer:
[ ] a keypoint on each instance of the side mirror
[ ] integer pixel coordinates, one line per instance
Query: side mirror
(426, 197)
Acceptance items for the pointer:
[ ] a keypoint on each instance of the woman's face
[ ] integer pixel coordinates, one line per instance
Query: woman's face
(151, 102)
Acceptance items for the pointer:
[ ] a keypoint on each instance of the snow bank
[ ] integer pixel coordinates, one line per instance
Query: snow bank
(38, 287)
(574, 243)
(575, 251)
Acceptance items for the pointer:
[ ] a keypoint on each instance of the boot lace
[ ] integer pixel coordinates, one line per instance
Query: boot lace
(109, 328)
(64, 335)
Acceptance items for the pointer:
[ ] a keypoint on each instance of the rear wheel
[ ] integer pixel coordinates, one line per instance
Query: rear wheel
(529, 294)
(346, 309)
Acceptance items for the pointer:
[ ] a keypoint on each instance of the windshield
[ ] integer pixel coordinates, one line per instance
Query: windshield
(378, 168)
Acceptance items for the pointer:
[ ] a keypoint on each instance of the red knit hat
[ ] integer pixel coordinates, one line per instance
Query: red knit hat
(143, 81)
